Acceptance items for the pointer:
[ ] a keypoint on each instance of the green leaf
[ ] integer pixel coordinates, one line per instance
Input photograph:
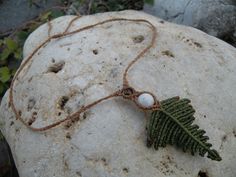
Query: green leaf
(45, 16)
(11, 44)
(172, 124)
(56, 14)
(18, 53)
(22, 35)
(5, 54)
(150, 2)
(5, 74)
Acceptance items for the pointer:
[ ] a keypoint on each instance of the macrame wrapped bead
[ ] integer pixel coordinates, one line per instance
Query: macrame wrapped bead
(146, 100)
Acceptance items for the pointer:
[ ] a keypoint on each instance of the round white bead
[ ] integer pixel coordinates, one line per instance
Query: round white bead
(146, 100)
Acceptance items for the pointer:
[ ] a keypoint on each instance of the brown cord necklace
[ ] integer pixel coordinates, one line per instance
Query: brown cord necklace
(171, 119)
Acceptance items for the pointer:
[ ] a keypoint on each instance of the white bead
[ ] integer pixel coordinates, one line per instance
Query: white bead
(146, 100)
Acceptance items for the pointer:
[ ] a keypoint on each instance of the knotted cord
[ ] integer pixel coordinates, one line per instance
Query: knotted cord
(127, 92)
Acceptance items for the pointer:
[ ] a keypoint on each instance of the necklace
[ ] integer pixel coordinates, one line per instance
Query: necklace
(171, 119)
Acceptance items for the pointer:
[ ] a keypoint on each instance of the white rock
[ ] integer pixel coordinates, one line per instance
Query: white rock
(146, 100)
(110, 142)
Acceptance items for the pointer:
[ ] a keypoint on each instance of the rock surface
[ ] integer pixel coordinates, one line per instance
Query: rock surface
(216, 17)
(110, 140)
(15, 12)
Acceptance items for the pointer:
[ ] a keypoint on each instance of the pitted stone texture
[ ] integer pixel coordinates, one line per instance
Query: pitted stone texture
(109, 140)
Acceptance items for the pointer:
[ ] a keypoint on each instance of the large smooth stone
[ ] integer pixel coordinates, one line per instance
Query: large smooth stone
(215, 17)
(110, 140)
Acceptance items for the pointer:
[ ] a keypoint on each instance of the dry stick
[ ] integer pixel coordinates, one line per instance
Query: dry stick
(85, 108)
(70, 24)
(49, 27)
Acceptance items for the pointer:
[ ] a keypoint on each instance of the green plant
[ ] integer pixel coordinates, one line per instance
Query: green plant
(172, 124)
(150, 2)
(9, 50)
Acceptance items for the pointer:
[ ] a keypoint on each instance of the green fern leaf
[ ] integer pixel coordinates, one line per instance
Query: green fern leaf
(172, 124)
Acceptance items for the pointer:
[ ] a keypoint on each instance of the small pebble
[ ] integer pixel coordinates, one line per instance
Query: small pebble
(146, 100)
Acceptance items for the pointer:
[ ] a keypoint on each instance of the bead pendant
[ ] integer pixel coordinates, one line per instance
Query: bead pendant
(146, 100)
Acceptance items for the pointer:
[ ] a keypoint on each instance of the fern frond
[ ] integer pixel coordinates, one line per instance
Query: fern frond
(172, 124)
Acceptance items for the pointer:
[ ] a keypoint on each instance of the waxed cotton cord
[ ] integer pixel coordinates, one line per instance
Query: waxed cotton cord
(127, 92)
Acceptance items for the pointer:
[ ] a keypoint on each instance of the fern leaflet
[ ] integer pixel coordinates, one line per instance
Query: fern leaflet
(172, 124)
